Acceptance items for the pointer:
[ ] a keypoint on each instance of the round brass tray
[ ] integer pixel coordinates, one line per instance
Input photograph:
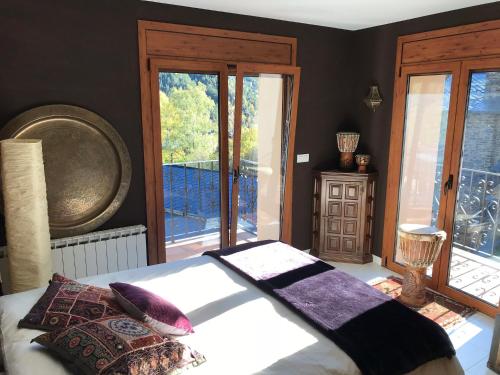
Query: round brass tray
(87, 165)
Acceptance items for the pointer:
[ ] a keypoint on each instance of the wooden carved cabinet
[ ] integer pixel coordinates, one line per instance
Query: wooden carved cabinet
(343, 207)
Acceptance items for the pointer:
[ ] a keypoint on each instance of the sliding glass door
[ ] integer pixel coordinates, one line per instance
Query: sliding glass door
(262, 157)
(427, 111)
(189, 101)
(224, 153)
(426, 125)
(449, 174)
(470, 266)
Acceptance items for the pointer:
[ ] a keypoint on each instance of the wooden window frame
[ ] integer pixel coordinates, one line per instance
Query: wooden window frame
(396, 153)
(157, 65)
(253, 69)
(438, 52)
(259, 49)
(467, 67)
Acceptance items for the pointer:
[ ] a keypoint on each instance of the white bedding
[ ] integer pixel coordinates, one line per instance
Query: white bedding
(238, 328)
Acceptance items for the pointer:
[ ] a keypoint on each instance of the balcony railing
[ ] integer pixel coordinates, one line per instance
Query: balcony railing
(192, 198)
(476, 218)
(192, 203)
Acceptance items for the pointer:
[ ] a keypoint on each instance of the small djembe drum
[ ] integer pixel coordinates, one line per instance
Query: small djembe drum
(362, 160)
(420, 246)
(347, 143)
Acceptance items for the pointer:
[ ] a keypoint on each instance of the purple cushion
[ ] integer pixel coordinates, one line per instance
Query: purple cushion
(160, 314)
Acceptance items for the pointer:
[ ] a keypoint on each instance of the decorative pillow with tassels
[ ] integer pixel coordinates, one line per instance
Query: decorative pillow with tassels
(119, 345)
(148, 307)
(67, 303)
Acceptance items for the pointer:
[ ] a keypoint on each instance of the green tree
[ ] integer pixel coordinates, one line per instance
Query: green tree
(188, 132)
(169, 81)
(249, 143)
(189, 116)
(211, 82)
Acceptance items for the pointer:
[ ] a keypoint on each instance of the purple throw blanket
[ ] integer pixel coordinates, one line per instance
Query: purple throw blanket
(381, 335)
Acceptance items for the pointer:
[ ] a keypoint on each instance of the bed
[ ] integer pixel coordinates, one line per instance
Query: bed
(239, 328)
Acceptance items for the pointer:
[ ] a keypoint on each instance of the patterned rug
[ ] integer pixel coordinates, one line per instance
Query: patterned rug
(443, 310)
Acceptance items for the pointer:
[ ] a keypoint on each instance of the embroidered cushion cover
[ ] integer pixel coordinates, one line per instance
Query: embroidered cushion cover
(157, 312)
(118, 345)
(67, 303)
(61, 279)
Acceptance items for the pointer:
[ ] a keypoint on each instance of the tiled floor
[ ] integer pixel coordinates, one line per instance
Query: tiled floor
(472, 339)
(476, 275)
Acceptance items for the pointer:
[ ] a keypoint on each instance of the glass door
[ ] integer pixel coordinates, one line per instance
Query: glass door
(205, 121)
(263, 133)
(191, 119)
(471, 261)
(425, 109)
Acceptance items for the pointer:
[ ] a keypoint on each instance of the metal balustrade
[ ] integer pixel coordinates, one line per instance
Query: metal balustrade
(192, 198)
(476, 216)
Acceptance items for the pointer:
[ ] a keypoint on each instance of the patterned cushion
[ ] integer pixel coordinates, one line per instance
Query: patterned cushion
(118, 345)
(61, 279)
(69, 303)
(143, 305)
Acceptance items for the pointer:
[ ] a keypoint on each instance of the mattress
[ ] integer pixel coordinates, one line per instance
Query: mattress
(238, 328)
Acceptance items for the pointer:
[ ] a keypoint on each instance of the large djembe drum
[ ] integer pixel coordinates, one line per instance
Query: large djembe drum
(419, 247)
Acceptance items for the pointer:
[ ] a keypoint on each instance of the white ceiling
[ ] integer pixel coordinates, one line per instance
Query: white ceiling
(343, 14)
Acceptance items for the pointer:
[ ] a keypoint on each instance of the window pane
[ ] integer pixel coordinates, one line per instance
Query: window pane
(189, 112)
(475, 260)
(426, 121)
(259, 197)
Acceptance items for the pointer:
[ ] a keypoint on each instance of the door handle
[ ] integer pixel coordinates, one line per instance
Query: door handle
(236, 175)
(448, 184)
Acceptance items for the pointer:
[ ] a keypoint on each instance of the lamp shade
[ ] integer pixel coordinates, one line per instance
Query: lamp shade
(26, 215)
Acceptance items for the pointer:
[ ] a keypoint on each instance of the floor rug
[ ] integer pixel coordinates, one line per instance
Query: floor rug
(443, 310)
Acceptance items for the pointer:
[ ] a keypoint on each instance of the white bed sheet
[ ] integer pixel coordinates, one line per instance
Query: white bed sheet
(238, 328)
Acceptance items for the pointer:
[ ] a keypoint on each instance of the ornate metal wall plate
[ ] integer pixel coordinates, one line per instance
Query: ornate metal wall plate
(87, 165)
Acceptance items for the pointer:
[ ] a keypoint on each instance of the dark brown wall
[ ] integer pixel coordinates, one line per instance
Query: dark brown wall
(84, 52)
(374, 61)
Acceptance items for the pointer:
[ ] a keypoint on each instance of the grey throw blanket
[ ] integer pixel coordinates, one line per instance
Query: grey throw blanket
(381, 335)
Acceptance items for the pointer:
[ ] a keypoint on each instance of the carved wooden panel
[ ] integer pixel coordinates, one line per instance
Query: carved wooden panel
(351, 209)
(349, 244)
(334, 208)
(335, 191)
(334, 225)
(333, 243)
(350, 227)
(352, 191)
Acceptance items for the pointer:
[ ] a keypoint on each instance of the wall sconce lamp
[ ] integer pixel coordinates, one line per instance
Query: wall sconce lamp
(373, 100)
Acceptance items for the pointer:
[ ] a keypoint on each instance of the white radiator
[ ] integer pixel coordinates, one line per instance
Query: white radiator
(93, 253)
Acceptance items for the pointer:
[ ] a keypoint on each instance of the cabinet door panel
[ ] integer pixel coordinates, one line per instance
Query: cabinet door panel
(335, 190)
(333, 244)
(350, 227)
(334, 208)
(334, 225)
(351, 209)
(348, 244)
(352, 191)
